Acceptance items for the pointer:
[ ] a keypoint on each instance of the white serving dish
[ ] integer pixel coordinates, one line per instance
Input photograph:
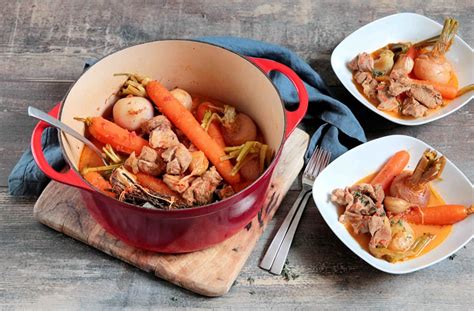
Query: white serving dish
(402, 27)
(368, 158)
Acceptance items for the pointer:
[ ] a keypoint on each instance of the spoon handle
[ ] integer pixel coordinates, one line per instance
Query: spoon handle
(43, 116)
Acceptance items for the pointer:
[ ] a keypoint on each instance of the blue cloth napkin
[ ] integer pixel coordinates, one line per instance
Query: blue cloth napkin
(332, 124)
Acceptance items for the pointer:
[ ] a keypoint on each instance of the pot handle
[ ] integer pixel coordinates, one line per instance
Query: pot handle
(292, 117)
(69, 177)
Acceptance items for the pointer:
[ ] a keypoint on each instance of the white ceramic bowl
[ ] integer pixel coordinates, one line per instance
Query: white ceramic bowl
(402, 27)
(368, 158)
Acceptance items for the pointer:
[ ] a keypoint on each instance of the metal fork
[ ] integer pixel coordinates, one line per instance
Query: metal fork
(277, 252)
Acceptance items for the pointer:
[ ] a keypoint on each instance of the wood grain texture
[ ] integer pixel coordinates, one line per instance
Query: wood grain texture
(49, 40)
(208, 272)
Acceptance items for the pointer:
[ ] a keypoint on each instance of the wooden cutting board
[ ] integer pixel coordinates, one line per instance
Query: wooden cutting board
(210, 272)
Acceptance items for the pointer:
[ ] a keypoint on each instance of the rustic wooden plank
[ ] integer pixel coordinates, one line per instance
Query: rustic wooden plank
(209, 272)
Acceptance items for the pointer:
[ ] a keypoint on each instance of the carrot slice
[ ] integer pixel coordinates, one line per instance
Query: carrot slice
(107, 132)
(392, 168)
(438, 215)
(155, 184)
(185, 121)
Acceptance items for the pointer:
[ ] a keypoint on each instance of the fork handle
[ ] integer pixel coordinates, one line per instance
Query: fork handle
(272, 250)
(282, 253)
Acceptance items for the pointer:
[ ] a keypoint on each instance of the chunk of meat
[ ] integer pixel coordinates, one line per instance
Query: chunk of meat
(426, 95)
(225, 192)
(202, 188)
(369, 87)
(379, 228)
(131, 163)
(362, 76)
(161, 134)
(154, 123)
(411, 107)
(387, 102)
(362, 62)
(177, 183)
(149, 162)
(342, 197)
(397, 87)
(178, 159)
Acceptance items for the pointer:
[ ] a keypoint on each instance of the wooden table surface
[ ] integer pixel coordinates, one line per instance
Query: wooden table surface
(43, 45)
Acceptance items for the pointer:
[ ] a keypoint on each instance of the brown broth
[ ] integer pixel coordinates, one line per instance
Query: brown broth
(440, 232)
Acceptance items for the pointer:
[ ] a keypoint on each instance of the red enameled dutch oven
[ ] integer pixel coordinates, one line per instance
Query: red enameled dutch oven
(199, 68)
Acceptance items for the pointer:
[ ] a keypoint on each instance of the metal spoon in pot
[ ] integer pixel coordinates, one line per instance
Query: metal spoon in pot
(43, 116)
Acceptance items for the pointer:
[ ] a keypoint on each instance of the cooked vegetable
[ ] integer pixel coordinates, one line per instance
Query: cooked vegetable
(185, 121)
(392, 168)
(464, 90)
(134, 85)
(239, 130)
(438, 215)
(403, 236)
(183, 97)
(396, 205)
(394, 256)
(107, 132)
(433, 65)
(99, 182)
(384, 62)
(156, 185)
(131, 112)
(413, 187)
(213, 127)
(250, 169)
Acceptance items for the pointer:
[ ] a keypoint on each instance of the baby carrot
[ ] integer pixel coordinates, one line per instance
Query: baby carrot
(107, 132)
(392, 168)
(446, 90)
(185, 121)
(99, 182)
(214, 129)
(438, 215)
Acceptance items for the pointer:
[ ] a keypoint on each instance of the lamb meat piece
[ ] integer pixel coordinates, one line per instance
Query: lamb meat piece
(426, 95)
(362, 76)
(149, 162)
(387, 102)
(370, 88)
(177, 183)
(153, 123)
(379, 228)
(396, 88)
(411, 107)
(225, 192)
(362, 62)
(342, 197)
(178, 159)
(359, 223)
(163, 137)
(131, 163)
(202, 188)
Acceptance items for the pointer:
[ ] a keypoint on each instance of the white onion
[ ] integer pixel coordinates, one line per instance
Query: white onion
(183, 97)
(131, 112)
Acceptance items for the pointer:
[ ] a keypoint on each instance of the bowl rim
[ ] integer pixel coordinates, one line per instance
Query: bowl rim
(360, 98)
(370, 259)
(197, 210)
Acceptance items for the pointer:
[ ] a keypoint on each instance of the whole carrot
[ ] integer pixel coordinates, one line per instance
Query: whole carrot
(185, 121)
(438, 215)
(107, 132)
(214, 129)
(99, 182)
(392, 168)
(156, 185)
